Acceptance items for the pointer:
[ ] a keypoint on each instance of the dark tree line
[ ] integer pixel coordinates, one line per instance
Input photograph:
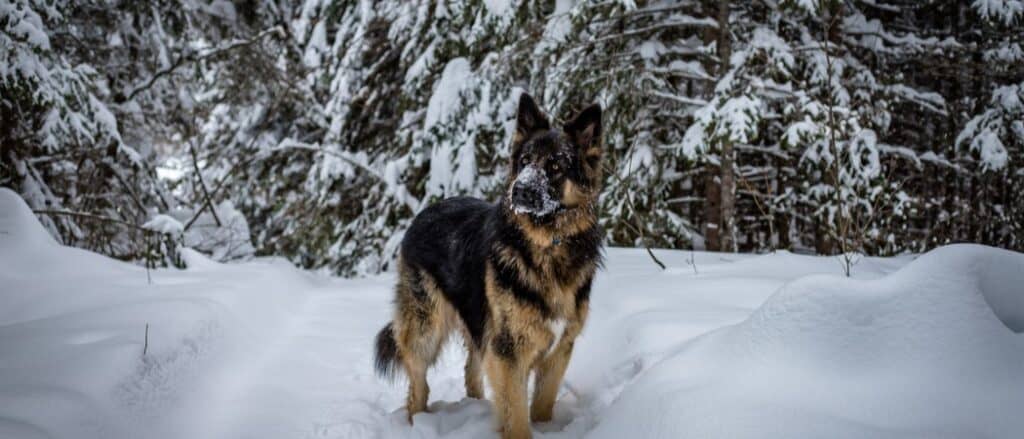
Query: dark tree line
(316, 129)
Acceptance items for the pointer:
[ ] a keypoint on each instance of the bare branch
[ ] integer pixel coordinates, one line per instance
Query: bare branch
(92, 216)
(190, 57)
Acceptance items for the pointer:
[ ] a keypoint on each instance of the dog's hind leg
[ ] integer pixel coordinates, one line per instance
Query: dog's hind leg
(419, 391)
(421, 326)
(474, 373)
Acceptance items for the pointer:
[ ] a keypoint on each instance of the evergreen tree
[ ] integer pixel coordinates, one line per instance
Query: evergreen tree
(317, 129)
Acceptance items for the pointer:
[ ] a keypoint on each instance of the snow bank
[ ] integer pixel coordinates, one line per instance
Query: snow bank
(18, 226)
(73, 332)
(718, 345)
(928, 351)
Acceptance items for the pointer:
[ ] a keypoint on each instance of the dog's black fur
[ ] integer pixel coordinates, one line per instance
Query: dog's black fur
(505, 269)
(452, 240)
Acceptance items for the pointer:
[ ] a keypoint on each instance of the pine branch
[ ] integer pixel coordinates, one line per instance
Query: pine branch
(190, 58)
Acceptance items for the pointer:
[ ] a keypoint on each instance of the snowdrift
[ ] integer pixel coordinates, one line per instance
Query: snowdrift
(73, 332)
(770, 346)
(928, 351)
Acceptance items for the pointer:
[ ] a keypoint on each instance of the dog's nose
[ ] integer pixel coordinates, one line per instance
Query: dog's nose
(522, 195)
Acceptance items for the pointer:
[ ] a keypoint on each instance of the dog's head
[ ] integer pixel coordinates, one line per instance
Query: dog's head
(554, 171)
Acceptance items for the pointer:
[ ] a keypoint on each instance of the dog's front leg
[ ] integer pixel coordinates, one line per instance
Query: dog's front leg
(549, 373)
(508, 376)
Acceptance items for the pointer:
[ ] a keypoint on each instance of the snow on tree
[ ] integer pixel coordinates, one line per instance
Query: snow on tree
(62, 147)
(317, 129)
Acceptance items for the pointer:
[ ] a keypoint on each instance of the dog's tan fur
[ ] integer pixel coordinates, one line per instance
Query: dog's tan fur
(519, 336)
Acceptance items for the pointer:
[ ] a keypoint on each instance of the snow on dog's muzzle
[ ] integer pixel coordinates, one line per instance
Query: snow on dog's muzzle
(530, 193)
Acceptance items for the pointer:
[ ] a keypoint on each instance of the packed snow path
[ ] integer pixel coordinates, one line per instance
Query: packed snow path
(718, 345)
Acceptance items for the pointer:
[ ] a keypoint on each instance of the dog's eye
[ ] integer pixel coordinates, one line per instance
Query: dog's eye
(555, 170)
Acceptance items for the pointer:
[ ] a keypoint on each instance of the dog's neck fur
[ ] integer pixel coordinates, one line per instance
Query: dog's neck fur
(562, 268)
(564, 225)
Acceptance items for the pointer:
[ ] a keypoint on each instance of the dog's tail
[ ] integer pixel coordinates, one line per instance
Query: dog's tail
(386, 356)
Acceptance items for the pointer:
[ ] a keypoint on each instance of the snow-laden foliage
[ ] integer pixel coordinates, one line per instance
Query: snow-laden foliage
(999, 129)
(326, 125)
(1006, 11)
(385, 110)
(62, 147)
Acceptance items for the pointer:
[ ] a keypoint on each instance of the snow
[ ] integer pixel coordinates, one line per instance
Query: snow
(778, 51)
(316, 46)
(532, 178)
(498, 8)
(993, 154)
(919, 353)
(1009, 97)
(1009, 53)
(231, 240)
(16, 216)
(559, 25)
(734, 120)
(440, 178)
(165, 224)
(1006, 11)
(24, 23)
(717, 345)
(808, 5)
(983, 132)
(419, 68)
(798, 131)
(445, 100)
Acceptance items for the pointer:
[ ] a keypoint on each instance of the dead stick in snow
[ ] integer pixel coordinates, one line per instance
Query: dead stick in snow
(91, 216)
(636, 216)
(202, 185)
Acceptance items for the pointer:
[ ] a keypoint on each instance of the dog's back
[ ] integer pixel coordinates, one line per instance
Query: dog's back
(440, 290)
(449, 241)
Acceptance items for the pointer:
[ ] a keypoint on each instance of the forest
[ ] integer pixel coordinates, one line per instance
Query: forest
(317, 129)
(782, 219)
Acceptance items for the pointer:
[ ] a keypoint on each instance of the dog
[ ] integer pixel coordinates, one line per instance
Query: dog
(513, 277)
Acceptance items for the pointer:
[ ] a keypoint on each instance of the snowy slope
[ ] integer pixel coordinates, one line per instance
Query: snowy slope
(717, 346)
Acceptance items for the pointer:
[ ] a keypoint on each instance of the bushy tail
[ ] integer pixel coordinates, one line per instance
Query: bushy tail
(386, 359)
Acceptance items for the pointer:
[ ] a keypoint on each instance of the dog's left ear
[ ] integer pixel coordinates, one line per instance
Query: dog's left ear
(585, 131)
(529, 117)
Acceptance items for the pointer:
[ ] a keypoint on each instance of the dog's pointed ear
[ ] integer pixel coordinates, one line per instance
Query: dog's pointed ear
(585, 130)
(529, 118)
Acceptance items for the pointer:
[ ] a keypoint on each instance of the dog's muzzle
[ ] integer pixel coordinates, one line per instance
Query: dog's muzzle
(531, 193)
(527, 198)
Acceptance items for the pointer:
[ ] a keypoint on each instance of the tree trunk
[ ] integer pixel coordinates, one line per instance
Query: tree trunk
(712, 209)
(728, 179)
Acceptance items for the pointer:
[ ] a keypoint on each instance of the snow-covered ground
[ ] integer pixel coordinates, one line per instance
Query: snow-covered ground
(718, 345)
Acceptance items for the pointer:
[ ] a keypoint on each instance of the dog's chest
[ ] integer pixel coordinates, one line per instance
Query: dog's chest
(564, 316)
(557, 327)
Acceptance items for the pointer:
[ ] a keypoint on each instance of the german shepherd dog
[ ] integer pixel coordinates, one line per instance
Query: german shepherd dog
(513, 277)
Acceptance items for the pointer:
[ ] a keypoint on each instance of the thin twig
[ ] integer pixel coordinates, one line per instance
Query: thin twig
(93, 217)
(193, 58)
(202, 185)
(636, 215)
